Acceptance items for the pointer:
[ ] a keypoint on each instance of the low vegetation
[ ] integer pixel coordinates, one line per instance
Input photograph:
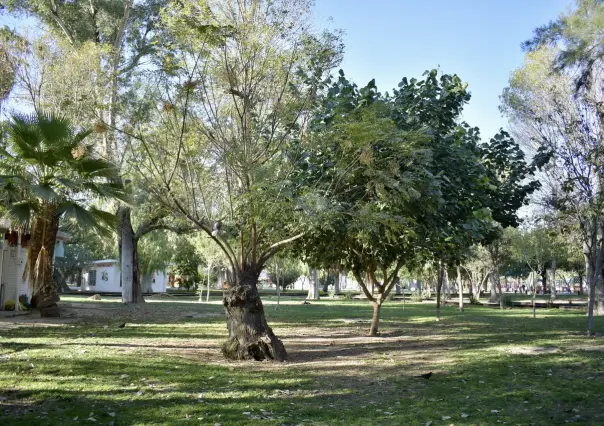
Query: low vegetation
(165, 367)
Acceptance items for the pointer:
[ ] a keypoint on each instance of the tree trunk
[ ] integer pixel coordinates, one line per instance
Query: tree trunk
(553, 283)
(128, 247)
(313, 289)
(544, 280)
(439, 283)
(137, 288)
(250, 337)
(326, 282)
(599, 293)
(336, 284)
(45, 296)
(580, 283)
(460, 289)
(495, 293)
(500, 293)
(375, 321)
(534, 293)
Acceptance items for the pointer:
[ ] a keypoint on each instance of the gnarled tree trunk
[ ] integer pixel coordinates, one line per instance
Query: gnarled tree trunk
(45, 296)
(250, 337)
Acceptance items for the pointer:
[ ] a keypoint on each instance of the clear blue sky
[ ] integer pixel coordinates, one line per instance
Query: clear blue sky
(477, 39)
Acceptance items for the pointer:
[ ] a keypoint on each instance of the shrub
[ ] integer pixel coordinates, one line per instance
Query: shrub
(416, 297)
(24, 300)
(508, 300)
(9, 305)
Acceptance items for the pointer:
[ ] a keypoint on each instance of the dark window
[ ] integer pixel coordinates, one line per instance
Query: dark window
(92, 277)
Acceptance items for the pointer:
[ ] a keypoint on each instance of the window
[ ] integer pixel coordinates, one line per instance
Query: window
(92, 277)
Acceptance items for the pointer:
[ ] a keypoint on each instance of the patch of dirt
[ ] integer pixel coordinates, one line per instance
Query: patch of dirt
(587, 347)
(532, 350)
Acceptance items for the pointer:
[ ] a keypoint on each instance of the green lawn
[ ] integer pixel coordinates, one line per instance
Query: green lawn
(165, 367)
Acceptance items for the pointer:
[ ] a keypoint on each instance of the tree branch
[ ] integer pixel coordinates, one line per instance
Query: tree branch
(268, 253)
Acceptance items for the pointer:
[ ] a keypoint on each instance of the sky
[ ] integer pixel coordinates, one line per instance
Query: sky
(479, 40)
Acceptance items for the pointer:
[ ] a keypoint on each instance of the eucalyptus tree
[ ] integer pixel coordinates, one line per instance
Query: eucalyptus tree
(88, 65)
(50, 172)
(553, 110)
(10, 44)
(236, 81)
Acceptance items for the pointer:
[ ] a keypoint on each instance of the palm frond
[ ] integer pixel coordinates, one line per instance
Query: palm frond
(25, 137)
(71, 184)
(54, 129)
(109, 190)
(88, 218)
(104, 217)
(79, 137)
(11, 179)
(95, 167)
(20, 213)
(44, 191)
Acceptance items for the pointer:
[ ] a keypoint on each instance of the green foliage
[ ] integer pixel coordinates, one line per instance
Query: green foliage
(579, 35)
(220, 137)
(9, 305)
(186, 263)
(47, 162)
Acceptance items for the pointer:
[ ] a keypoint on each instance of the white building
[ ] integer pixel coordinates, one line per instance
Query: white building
(13, 255)
(104, 277)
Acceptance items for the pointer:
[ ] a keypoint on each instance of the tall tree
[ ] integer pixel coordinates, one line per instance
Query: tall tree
(236, 81)
(101, 47)
(552, 111)
(47, 170)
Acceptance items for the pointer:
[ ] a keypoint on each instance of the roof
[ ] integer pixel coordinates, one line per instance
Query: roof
(5, 225)
(105, 261)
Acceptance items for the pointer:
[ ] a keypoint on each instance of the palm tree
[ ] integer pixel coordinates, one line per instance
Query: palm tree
(48, 172)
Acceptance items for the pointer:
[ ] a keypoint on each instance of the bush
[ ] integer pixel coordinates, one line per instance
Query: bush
(9, 305)
(348, 296)
(508, 300)
(416, 297)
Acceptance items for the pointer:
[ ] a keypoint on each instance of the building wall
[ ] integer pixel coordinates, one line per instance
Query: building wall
(159, 281)
(107, 278)
(12, 273)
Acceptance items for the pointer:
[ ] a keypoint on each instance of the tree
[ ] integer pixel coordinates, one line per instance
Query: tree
(89, 69)
(10, 44)
(233, 88)
(553, 111)
(375, 156)
(478, 269)
(532, 247)
(47, 170)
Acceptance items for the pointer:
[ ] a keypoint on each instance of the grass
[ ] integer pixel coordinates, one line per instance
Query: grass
(165, 367)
